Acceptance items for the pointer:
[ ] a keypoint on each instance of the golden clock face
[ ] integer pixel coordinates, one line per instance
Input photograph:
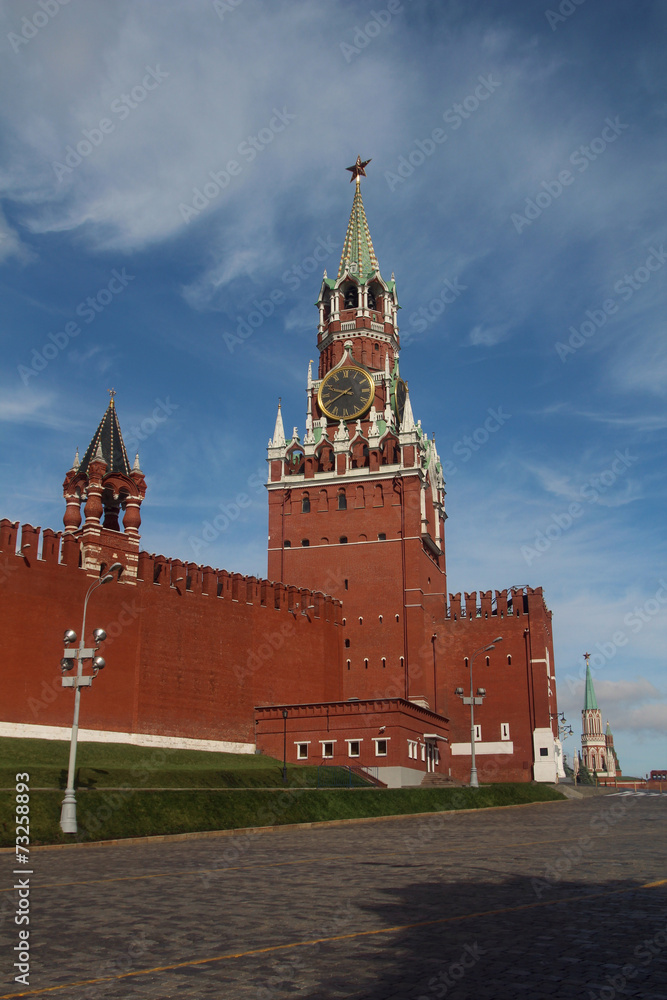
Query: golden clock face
(400, 395)
(346, 393)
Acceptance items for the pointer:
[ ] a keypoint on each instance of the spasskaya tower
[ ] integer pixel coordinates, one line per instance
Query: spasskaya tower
(356, 507)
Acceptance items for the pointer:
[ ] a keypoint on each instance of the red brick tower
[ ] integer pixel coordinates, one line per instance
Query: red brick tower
(356, 508)
(105, 482)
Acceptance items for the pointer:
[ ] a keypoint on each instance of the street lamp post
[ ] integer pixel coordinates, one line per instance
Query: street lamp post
(472, 701)
(77, 681)
(284, 746)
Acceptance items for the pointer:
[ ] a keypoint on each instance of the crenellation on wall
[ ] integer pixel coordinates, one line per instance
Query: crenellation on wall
(51, 541)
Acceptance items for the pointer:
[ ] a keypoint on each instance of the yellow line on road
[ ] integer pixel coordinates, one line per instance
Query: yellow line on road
(328, 940)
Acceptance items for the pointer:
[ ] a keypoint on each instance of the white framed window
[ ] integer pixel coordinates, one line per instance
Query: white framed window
(412, 749)
(302, 751)
(478, 733)
(381, 746)
(504, 730)
(353, 748)
(327, 748)
(423, 751)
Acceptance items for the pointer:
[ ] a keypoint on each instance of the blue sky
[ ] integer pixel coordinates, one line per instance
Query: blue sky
(516, 190)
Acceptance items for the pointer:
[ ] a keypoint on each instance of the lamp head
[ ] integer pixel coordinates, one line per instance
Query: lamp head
(481, 692)
(458, 691)
(99, 635)
(106, 579)
(69, 637)
(116, 568)
(499, 639)
(66, 664)
(99, 663)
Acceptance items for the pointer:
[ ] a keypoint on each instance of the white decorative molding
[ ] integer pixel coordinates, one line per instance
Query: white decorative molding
(463, 749)
(26, 731)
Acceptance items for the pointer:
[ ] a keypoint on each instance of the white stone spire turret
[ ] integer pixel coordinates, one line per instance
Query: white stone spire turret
(278, 440)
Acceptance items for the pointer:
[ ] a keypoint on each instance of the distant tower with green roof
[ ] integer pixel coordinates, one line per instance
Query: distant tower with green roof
(597, 747)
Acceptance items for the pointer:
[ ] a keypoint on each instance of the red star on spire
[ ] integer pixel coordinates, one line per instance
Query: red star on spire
(358, 170)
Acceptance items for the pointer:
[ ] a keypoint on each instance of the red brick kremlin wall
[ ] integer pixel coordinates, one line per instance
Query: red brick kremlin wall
(186, 658)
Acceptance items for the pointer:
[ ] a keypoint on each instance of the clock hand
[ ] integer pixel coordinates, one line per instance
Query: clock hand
(345, 392)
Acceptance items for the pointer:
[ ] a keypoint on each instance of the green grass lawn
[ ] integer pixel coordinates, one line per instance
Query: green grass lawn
(223, 792)
(119, 765)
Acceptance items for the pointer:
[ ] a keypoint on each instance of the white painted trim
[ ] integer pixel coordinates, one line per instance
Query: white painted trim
(21, 730)
(463, 749)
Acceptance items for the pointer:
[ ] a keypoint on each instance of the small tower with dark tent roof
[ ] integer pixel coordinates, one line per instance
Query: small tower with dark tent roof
(106, 484)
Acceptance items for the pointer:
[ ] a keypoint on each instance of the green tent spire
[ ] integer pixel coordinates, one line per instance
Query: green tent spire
(589, 699)
(358, 254)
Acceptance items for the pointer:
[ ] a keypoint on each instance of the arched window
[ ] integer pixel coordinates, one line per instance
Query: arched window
(384, 662)
(342, 500)
(370, 294)
(288, 545)
(351, 297)
(347, 643)
(488, 661)
(378, 496)
(343, 539)
(509, 661)
(359, 499)
(324, 501)
(305, 542)
(365, 664)
(305, 504)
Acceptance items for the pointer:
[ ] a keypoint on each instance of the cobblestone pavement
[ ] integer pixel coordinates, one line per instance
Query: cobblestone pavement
(565, 900)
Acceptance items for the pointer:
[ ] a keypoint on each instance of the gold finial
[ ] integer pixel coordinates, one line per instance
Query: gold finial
(358, 170)
(112, 393)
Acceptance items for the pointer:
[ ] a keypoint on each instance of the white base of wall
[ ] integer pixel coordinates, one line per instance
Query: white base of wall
(400, 777)
(19, 729)
(544, 767)
(463, 749)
